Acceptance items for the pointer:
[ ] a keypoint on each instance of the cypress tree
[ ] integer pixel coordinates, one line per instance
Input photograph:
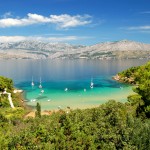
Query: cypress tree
(38, 110)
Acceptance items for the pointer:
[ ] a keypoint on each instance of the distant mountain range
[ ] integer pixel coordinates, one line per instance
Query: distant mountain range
(40, 50)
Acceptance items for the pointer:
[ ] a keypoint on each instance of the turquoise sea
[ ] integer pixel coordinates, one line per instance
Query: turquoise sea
(66, 83)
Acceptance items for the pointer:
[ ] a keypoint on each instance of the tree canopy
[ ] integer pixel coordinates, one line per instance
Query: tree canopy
(6, 83)
(141, 78)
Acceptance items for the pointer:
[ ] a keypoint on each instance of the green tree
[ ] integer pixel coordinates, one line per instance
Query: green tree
(38, 110)
(6, 83)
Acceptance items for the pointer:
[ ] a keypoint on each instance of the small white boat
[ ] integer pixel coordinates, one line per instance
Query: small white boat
(33, 100)
(32, 83)
(40, 86)
(84, 90)
(121, 87)
(42, 91)
(66, 89)
(59, 107)
(91, 85)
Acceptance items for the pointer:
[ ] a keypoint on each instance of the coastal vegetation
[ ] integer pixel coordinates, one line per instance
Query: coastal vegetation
(139, 76)
(113, 125)
(6, 112)
(6, 83)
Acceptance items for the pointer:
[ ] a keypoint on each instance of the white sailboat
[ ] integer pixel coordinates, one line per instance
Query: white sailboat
(92, 84)
(32, 83)
(66, 89)
(40, 86)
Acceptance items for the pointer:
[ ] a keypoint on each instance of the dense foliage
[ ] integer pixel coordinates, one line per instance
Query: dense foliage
(7, 114)
(136, 75)
(6, 83)
(141, 77)
(111, 126)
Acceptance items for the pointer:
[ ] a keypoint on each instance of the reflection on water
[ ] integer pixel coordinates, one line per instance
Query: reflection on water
(54, 70)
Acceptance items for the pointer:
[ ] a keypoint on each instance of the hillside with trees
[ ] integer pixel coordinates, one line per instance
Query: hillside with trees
(111, 126)
(6, 112)
(140, 76)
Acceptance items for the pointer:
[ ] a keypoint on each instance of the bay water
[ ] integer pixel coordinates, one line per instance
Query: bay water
(66, 83)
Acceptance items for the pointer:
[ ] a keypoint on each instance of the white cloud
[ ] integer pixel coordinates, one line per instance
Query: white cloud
(35, 18)
(147, 27)
(67, 21)
(4, 39)
(62, 21)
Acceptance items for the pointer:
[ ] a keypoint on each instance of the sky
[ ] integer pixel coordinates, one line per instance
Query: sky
(84, 22)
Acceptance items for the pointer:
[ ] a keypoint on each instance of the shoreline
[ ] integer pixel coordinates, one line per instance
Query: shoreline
(22, 99)
(76, 101)
(127, 80)
(46, 111)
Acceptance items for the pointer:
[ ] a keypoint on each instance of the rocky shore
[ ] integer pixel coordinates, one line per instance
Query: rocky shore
(129, 80)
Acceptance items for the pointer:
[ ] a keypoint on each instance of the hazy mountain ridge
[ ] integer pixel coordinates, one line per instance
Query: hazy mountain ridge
(36, 45)
(40, 50)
